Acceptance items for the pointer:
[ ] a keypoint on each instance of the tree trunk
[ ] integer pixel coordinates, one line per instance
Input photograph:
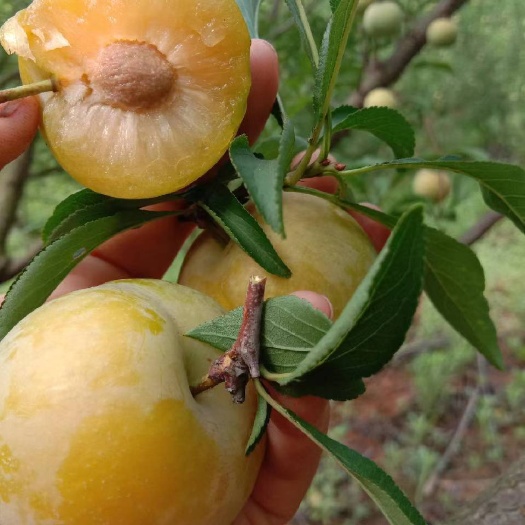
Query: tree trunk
(501, 504)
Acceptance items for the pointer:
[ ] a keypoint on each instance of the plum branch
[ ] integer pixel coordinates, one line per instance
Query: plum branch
(383, 73)
(12, 184)
(235, 367)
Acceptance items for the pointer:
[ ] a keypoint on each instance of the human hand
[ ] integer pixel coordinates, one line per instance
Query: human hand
(291, 459)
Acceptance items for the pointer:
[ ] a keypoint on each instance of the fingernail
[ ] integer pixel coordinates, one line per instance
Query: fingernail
(329, 306)
(317, 300)
(7, 109)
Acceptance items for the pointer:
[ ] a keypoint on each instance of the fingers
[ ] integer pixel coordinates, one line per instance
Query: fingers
(148, 251)
(377, 232)
(18, 124)
(321, 302)
(289, 465)
(265, 83)
(291, 459)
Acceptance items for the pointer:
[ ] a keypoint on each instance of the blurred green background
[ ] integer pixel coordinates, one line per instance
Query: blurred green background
(467, 100)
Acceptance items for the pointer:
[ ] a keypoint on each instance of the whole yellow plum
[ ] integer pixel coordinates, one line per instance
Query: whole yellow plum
(381, 97)
(383, 19)
(442, 32)
(325, 248)
(431, 184)
(97, 422)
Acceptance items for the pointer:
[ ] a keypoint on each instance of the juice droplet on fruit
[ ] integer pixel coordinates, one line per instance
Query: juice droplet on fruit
(133, 76)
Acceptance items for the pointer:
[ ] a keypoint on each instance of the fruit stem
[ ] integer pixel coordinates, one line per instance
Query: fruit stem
(28, 90)
(241, 361)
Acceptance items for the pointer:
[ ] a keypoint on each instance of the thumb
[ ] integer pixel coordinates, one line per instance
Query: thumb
(18, 124)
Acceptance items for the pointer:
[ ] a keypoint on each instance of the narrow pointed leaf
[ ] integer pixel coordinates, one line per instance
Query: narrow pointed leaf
(242, 228)
(250, 12)
(301, 21)
(83, 216)
(278, 111)
(332, 52)
(334, 4)
(264, 178)
(455, 282)
(388, 497)
(373, 324)
(308, 355)
(386, 124)
(79, 200)
(86, 205)
(262, 418)
(290, 327)
(503, 185)
(51, 265)
(325, 383)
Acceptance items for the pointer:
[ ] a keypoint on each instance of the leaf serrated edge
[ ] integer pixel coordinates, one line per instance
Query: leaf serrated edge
(409, 514)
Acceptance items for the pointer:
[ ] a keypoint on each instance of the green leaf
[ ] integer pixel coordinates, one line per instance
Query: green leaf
(268, 148)
(503, 185)
(453, 279)
(278, 111)
(250, 12)
(386, 124)
(262, 418)
(454, 282)
(51, 265)
(374, 323)
(242, 228)
(302, 351)
(81, 199)
(301, 21)
(264, 178)
(86, 205)
(334, 4)
(324, 383)
(290, 327)
(332, 52)
(82, 216)
(388, 497)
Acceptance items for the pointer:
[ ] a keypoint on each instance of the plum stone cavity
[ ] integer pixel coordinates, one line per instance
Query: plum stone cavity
(133, 76)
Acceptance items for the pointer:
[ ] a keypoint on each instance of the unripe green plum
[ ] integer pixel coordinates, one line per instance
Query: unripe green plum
(431, 184)
(325, 248)
(383, 19)
(382, 97)
(442, 32)
(98, 425)
(363, 4)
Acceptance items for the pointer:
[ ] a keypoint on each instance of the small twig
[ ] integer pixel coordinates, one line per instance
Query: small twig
(241, 362)
(28, 90)
(480, 228)
(454, 444)
(250, 332)
(409, 350)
